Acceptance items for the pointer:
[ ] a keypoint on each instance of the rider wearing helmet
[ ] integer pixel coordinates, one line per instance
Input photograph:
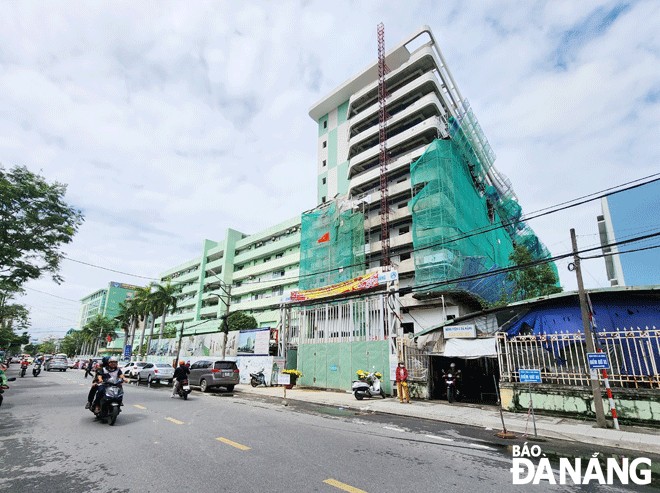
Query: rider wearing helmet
(108, 371)
(180, 374)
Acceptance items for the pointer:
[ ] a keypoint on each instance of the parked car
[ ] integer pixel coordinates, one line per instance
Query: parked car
(72, 363)
(56, 363)
(207, 374)
(156, 372)
(131, 369)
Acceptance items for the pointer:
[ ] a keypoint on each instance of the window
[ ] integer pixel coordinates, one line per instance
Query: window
(402, 205)
(279, 255)
(323, 181)
(404, 256)
(322, 199)
(266, 259)
(325, 144)
(325, 124)
(404, 230)
(324, 163)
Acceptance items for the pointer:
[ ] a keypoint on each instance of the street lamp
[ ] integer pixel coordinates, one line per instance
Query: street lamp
(224, 317)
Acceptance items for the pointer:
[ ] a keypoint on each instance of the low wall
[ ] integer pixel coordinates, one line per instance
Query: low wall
(635, 406)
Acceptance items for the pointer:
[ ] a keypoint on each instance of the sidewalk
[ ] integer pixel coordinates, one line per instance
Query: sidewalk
(629, 437)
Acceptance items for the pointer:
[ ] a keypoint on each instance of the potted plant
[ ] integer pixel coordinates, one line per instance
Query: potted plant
(294, 375)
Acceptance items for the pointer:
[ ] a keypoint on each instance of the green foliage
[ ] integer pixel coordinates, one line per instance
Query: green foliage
(241, 321)
(12, 342)
(34, 223)
(47, 347)
(72, 343)
(170, 331)
(531, 281)
(30, 349)
(101, 327)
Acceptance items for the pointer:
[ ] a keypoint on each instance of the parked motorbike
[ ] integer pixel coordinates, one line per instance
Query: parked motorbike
(369, 386)
(3, 387)
(258, 378)
(184, 389)
(36, 370)
(111, 402)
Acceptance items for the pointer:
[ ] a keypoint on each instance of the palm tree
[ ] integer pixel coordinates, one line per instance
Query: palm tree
(101, 327)
(125, 319)
(141, 305)
(154, 306)
(165, 296)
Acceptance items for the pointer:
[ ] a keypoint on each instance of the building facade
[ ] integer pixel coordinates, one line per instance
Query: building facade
(258, 270)
(104, 302)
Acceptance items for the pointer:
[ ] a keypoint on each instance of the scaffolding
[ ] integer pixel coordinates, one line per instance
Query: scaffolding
(331, 245)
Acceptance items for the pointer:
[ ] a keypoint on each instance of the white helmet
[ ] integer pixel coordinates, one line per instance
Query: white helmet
(113, 360)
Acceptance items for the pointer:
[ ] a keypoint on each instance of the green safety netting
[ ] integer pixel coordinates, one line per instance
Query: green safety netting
(331, 246)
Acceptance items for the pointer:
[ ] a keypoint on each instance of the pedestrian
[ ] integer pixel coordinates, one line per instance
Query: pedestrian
(88, 368)
(402, 382)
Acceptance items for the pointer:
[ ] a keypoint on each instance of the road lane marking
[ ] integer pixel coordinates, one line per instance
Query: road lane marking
(139, 407)
(174, 421)
(393, 429)
(343, 486)
(233, 444)
(81, 384)
(439, 438)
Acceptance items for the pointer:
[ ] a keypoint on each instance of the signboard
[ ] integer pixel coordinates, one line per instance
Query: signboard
(333, 368)
(122, 285)
(254, 342)
(283, 379)
(464, 331)
(598, 361)
(529, 376)
(366, 281)
(127, 351)
(385, 277)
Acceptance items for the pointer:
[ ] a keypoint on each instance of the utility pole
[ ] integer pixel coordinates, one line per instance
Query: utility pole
(225, 328)
(178, 349)
(588, 336)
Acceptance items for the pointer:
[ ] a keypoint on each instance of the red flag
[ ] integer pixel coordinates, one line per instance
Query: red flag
(325, 237)
(108, 338)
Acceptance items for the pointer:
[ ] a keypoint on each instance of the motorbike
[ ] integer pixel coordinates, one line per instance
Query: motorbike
(111, 403)
(450, 381)
(258, 378)
(2, 389)
(36, 370)
(23, 370)
(369, 386)
(184, 389)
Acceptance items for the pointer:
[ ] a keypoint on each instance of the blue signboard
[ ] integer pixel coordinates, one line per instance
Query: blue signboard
(529, 376)
(598, 361)
(333, 368)
(127, 351)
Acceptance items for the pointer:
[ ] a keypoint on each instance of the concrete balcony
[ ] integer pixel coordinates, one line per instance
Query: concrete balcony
(264, 267)
(268, 249)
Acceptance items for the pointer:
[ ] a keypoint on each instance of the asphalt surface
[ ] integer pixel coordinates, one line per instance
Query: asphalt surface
(237, 442)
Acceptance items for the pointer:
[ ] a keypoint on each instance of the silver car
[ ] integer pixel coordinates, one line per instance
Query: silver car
(155, 372)
(56, 363)
(132, 368)
(207, 374)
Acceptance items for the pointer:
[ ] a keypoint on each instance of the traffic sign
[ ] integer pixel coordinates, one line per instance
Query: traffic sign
(598, 361)
(529, 376)
(127, 351)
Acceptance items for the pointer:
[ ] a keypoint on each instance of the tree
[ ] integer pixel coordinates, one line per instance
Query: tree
(534, 280)
(165, 297)
(101, 327)
(34, 223)
(12, 342)
(47, 347)
(241, 321)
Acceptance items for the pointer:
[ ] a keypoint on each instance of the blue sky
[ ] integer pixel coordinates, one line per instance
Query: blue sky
(173, 121)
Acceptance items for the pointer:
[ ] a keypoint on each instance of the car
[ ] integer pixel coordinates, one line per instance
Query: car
(155, 372)
(123, 366)
(15, 359)
(72, 363)
(208, 374)
(131, 369)
(56, 363)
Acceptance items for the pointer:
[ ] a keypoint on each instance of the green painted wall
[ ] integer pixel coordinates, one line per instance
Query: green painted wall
(342, 113)
(332, 148)
(316, 361)
(322, 130)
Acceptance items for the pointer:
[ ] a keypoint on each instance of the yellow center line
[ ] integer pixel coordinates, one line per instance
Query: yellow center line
(233, 444)
(174, 421)
(343, 486)
(139, 407)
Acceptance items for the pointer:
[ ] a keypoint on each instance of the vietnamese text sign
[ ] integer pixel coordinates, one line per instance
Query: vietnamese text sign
(598, 361)
(283, 379)
(366, 281)
(127, 351)
(529, 376)
(465, 331)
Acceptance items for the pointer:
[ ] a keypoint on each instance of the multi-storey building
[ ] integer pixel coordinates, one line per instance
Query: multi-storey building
(104, 302)
(257, 270)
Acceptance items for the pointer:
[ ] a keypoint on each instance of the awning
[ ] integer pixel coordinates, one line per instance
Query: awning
(470, 348)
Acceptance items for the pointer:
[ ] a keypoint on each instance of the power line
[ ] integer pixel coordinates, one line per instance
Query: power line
(58, 297)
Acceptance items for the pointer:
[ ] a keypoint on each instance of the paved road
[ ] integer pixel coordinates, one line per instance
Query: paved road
(228, 442)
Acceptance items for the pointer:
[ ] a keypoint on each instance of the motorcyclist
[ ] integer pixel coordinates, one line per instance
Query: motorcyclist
(456, 376)
(24, 364)
(105, 374)
(180, 374)
(96, 381)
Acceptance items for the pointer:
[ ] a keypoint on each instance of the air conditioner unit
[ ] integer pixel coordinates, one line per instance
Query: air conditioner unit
(250, 278)
(259, 244)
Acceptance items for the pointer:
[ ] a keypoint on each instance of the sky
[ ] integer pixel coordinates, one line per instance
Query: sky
(173, 121)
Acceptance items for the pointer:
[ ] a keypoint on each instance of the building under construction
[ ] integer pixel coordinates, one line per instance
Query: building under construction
(406, 184)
